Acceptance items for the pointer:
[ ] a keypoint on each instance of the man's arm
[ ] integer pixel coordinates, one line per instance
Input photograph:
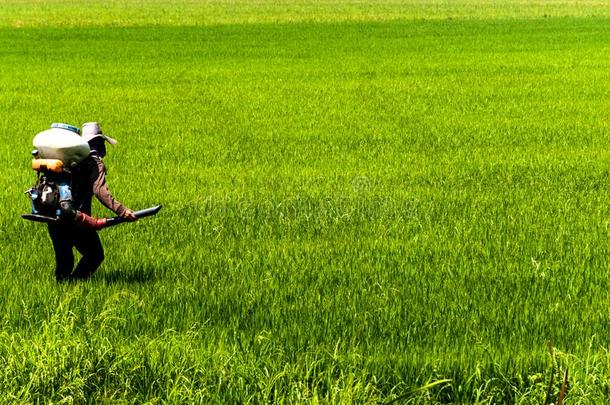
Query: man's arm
(100, 189)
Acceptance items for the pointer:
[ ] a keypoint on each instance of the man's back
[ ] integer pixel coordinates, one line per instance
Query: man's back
(88, 179)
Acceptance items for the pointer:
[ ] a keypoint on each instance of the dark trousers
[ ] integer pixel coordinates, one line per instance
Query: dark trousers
(86, 241)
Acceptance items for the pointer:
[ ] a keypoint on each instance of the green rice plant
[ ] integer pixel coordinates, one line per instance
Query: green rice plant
(364, 202)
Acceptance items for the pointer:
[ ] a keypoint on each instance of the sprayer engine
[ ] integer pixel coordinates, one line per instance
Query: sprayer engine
(51, 196)
(58, 150)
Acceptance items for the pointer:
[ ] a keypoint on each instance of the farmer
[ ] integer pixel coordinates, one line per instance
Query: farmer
(88, 179)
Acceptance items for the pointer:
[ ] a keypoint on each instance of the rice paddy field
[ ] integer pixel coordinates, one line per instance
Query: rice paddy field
(378, 201)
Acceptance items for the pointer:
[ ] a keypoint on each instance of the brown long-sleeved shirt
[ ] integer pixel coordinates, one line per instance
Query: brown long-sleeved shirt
(89, 179)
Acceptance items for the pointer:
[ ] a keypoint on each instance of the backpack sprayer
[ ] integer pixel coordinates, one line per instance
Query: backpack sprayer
(57, 151)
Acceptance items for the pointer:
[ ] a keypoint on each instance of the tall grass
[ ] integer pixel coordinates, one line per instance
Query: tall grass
(355, 211)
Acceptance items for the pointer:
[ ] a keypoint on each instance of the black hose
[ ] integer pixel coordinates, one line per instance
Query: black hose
(139, 214)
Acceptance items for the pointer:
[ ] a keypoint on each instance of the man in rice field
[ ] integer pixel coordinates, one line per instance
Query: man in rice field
(88, 179)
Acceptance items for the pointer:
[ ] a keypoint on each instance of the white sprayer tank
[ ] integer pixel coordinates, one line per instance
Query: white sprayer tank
(62, 144)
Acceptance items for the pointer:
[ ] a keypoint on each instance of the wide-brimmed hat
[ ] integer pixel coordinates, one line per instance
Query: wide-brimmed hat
(92, 130)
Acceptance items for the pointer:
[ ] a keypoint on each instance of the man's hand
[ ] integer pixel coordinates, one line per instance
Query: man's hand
(129, 216)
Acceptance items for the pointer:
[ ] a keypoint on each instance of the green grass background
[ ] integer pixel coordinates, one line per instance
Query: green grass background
(361, 199)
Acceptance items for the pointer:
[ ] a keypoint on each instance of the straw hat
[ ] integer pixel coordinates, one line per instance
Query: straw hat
(92, 130)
